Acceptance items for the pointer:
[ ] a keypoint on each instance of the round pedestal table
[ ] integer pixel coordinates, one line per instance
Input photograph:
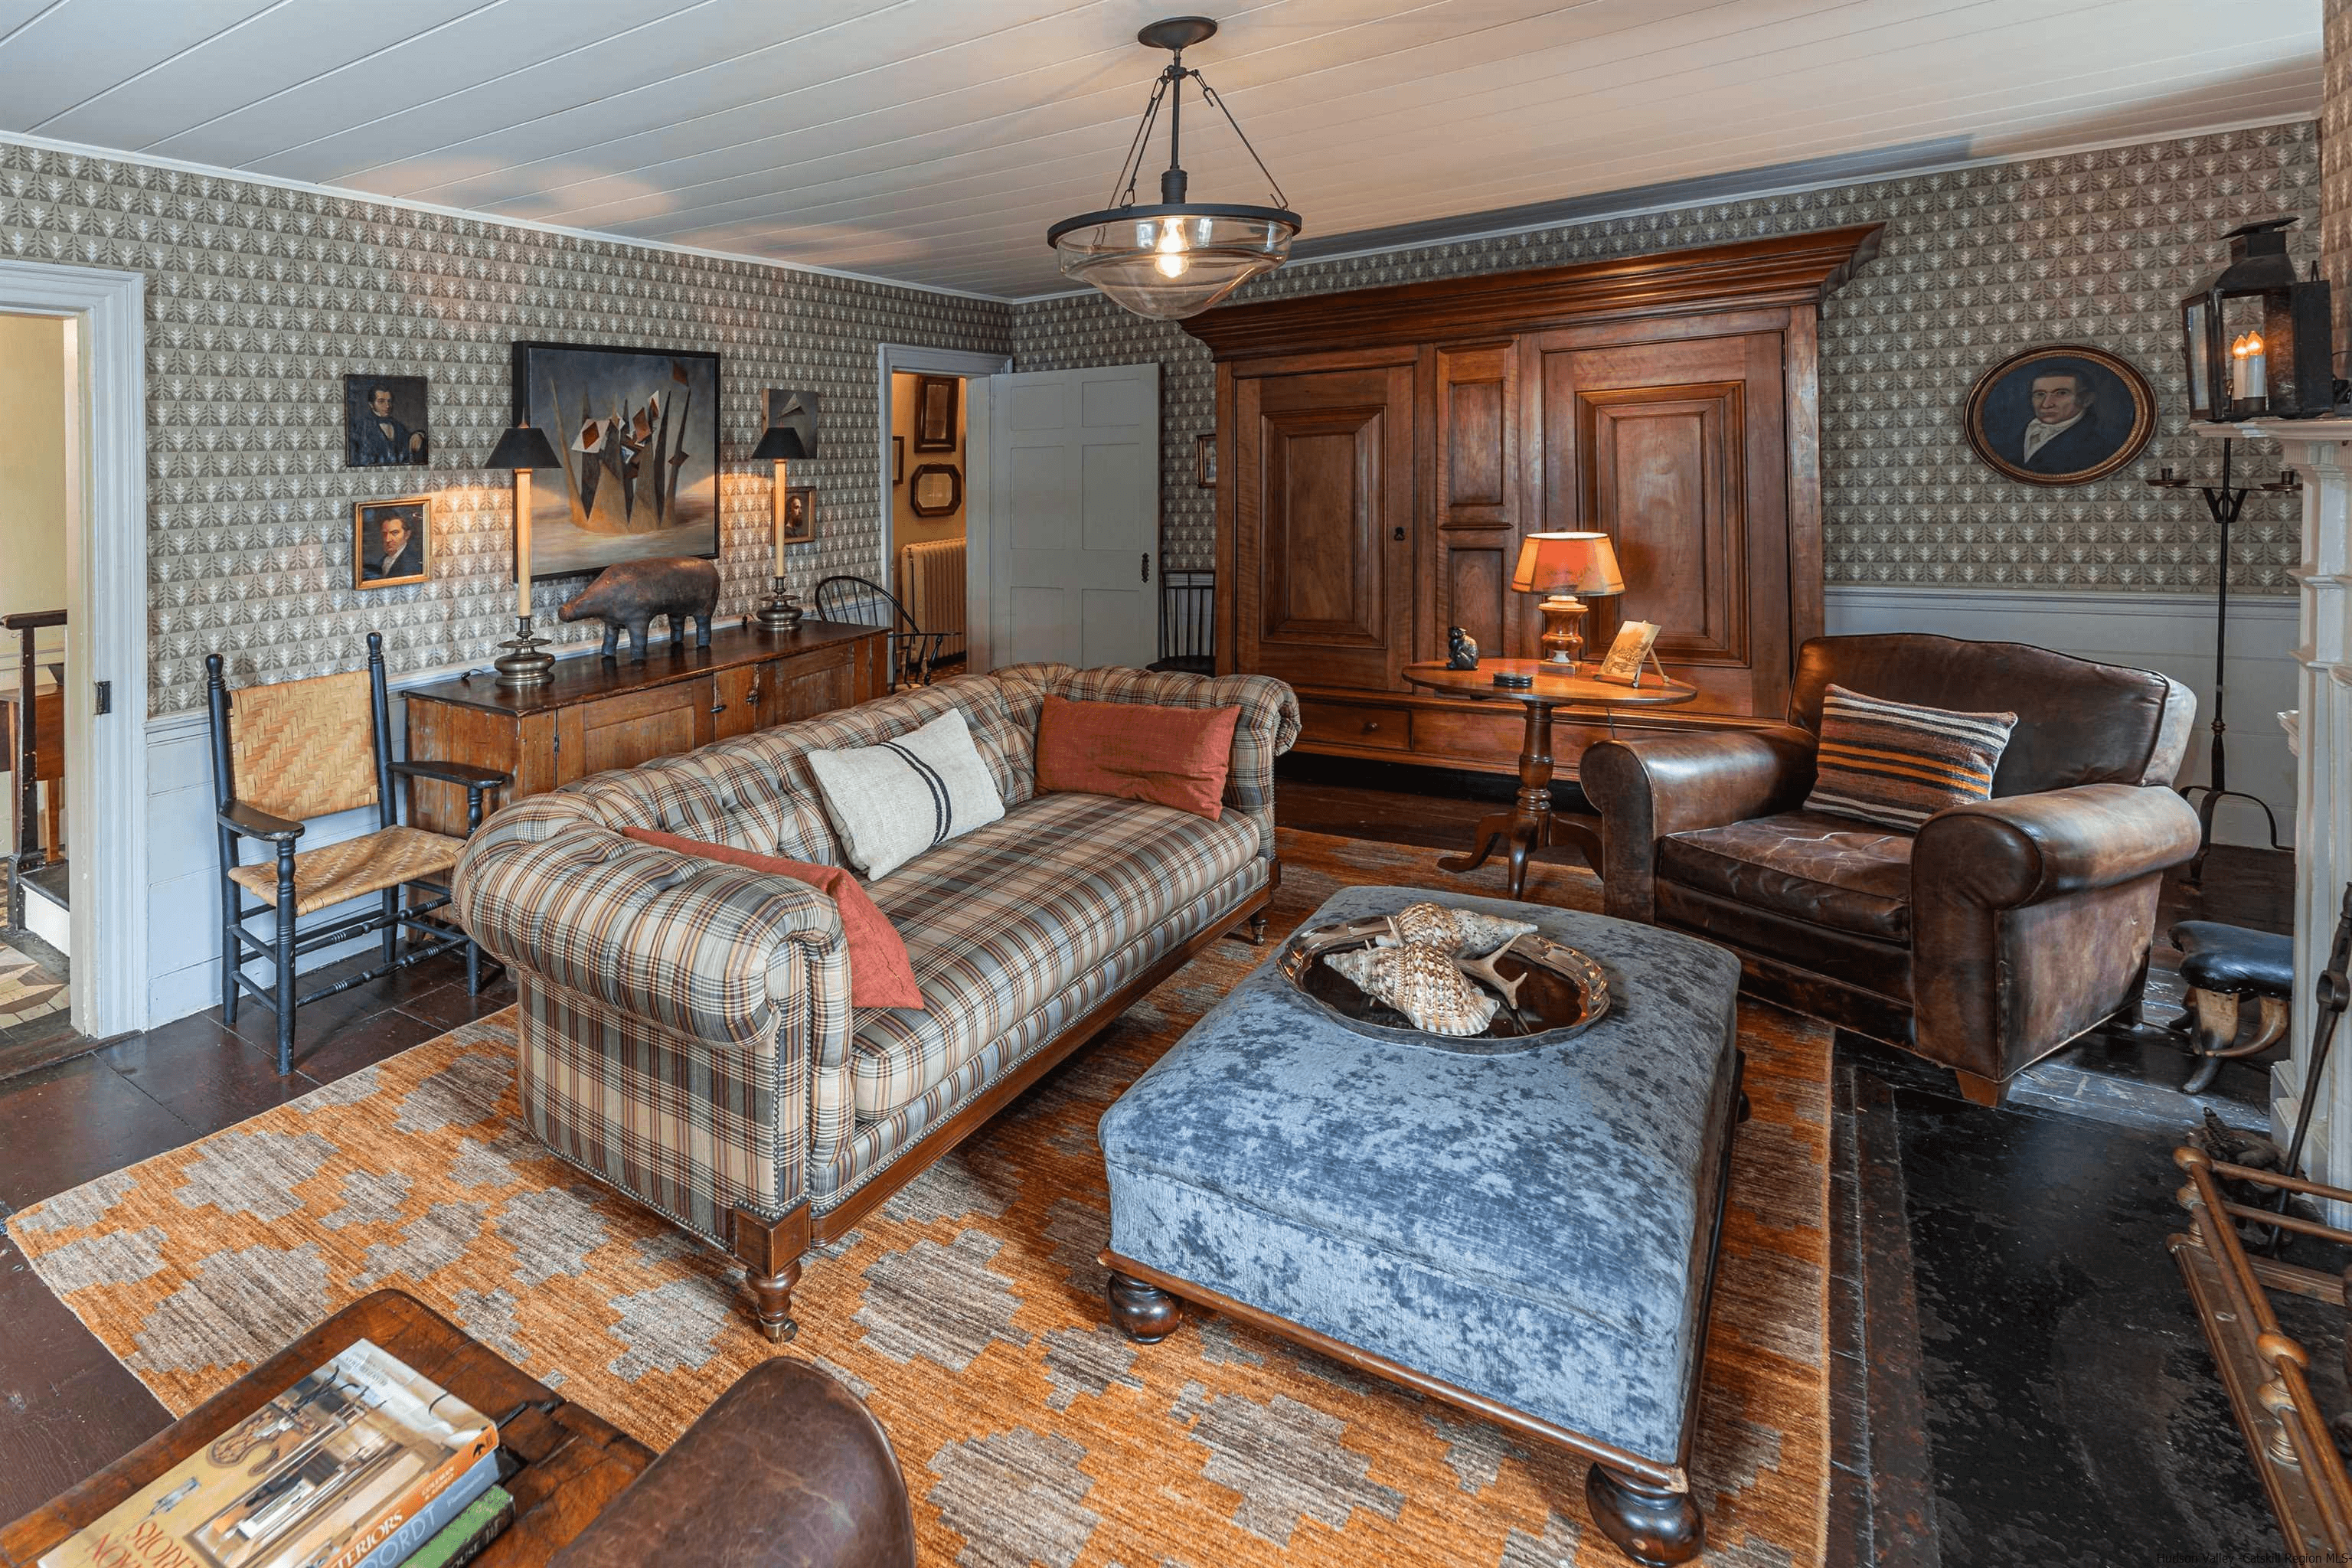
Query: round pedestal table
(1531, 823)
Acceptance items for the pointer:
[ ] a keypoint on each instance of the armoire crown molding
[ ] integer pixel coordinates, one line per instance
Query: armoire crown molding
(1777, 269)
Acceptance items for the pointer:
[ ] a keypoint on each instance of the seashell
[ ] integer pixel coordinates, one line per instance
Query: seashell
(1420, 981)
(1456, 932)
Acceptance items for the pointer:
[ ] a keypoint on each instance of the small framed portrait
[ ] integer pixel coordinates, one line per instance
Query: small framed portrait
(937, 403)
(1204, 460)
(898, 460)
(2059, 413)
(391, 541)
(800, 514)
(938, 492)
(384, 422)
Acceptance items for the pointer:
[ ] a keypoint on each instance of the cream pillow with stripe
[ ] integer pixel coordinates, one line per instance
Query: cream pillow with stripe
(1898, 763)
(891, 802)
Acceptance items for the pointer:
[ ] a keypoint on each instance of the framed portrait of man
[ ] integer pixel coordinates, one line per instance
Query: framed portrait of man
(391, 541)
(800, 514)
(384, 422)
(2059, 413)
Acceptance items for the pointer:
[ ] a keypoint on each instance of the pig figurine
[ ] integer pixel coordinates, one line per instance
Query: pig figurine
(633, 592)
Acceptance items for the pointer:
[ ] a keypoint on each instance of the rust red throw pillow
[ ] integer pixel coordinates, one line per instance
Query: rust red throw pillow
(1137, 751)
(880, 973)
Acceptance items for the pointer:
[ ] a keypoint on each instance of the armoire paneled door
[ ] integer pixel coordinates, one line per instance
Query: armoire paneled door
(1387, 450)
(1326, 576)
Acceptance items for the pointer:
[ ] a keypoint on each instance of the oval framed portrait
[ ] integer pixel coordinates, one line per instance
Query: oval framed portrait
(2059, 413)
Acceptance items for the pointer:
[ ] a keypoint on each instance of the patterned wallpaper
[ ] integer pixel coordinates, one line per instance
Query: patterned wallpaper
(260, 299)
(1975, 263)
(2336, 169)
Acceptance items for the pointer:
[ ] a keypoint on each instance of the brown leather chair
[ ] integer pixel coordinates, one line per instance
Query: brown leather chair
(1987, 939)
(786, 1470)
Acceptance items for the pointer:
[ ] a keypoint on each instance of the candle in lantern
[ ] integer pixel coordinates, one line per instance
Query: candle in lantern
(2248, 369)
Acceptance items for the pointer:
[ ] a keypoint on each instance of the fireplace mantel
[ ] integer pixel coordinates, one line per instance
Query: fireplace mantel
(2321, 732)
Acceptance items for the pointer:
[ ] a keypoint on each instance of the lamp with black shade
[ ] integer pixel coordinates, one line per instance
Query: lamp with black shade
(779, 445)
(520, 450)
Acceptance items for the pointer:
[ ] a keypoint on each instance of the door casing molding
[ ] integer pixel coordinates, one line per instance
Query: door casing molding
(106, 581)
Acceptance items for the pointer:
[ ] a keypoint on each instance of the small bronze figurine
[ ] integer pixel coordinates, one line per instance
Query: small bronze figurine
(1461, 649)
(633, 592)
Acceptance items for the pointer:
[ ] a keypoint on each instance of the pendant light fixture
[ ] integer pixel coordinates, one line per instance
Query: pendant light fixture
(1177, 257)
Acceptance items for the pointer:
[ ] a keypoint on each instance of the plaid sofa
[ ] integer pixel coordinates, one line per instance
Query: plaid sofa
(685, 1032)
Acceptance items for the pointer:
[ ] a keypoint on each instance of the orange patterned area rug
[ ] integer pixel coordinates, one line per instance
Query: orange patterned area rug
(968, 1311)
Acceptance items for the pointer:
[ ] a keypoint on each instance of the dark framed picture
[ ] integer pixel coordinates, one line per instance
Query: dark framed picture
(1204, 460)
(636, 431)
(794, 409)
(800, 514)
(938, 492)
(2059, 413)
(391, 541)
(898, 460)
(384, 422)
(936, 401)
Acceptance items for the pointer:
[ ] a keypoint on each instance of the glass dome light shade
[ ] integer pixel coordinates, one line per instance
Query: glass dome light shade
(1166, 264)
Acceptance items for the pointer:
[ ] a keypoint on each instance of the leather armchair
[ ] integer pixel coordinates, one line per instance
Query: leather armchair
(1987, 939)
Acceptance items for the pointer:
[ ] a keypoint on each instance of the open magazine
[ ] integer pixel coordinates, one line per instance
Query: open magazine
(321, 1477)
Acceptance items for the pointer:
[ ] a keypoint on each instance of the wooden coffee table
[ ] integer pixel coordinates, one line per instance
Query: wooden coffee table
(574, 1462)
(1531, 823)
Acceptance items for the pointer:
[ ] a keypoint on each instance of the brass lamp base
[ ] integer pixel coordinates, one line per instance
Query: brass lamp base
(780, 614)
(529, 663)
(1564, 635)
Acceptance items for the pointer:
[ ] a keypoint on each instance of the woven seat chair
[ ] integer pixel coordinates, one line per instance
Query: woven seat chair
(855, 602)
(298, 750)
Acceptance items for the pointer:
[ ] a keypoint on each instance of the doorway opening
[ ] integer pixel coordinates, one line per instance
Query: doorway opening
(929, 415)
(37, 402)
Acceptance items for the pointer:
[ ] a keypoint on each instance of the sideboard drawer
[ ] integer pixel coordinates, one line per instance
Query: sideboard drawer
(634, 727)
(1346, 724)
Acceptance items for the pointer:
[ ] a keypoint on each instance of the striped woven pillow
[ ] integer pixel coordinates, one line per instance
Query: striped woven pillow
(1897, 763)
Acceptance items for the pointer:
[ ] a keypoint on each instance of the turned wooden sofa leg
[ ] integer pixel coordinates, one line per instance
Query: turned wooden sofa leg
(1649, 1523)
(770, 1251)
(1144, 1313)
(1978, 1091)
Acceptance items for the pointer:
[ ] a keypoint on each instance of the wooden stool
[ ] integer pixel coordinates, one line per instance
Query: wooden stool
(2223, 965)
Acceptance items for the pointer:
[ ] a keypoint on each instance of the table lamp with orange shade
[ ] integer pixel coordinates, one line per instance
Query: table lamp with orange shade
(1562, 566)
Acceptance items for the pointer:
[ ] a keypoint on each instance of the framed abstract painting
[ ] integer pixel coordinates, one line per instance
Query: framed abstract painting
(636, 431)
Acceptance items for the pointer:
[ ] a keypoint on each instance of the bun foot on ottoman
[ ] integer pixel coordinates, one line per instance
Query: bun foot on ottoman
(1144, 1313)
(1648, 1525)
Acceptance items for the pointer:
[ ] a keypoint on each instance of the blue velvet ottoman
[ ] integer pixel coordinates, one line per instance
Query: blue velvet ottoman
(1530, 1236)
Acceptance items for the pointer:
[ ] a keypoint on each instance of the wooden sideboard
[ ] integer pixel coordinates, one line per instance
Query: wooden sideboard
(1385, 450)
(597, 714)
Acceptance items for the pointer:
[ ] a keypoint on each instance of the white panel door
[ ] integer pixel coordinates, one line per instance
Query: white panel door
(1073, 510)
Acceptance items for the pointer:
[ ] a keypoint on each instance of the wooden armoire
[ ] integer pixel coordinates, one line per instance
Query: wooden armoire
(1387, 449)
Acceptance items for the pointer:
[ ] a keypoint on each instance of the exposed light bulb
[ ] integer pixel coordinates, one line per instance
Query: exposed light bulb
(1171, 236)
(1171, 263)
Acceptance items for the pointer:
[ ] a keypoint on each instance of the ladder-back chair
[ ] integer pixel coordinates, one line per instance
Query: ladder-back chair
(298, 750)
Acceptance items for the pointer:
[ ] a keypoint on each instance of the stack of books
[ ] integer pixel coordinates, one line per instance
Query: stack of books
(365, 1463)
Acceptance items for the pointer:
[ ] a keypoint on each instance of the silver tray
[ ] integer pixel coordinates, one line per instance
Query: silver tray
(1564, 993)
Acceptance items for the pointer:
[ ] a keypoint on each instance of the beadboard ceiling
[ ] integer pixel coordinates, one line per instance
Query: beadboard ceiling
(934, 141)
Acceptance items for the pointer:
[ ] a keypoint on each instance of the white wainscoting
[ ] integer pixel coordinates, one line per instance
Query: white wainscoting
(2170, 633)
